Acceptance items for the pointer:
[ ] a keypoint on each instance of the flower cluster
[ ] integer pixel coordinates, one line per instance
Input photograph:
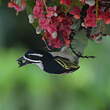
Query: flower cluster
(96, 13)
(56, 22)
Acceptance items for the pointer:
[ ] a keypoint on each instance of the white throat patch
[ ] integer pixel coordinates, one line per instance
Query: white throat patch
(40, 65)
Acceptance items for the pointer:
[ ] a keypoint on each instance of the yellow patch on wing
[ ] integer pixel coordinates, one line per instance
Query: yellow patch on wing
(65, 63)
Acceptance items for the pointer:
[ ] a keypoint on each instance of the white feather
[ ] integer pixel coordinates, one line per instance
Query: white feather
(38, 61)
(35, 54)
(40, 65)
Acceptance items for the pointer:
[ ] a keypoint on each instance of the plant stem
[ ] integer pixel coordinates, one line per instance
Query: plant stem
(97, 7)
(45, 4)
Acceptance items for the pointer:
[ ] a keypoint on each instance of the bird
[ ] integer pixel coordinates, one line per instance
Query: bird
(48, 61)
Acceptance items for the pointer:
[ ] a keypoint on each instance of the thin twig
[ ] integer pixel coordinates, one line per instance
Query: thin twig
(97, 7)
(79, 54)
(45, 4)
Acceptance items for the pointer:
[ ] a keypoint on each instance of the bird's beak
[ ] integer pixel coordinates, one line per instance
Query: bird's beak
(22, 62)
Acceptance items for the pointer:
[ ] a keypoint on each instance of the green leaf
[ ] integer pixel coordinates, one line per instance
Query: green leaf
(29, 10)
(30, 5)
(79, 42)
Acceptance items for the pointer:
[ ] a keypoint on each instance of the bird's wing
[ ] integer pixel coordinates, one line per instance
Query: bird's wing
(65, 63)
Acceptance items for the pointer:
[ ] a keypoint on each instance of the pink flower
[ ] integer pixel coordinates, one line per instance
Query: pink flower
(90, 19)
(16, 6)
(47, 25)
(107, 17)
(65, 2)
(76, 12)
(23, 4)
(38, 9)
(51, 11)
(43, 22)
(100, 14)
(54, 43)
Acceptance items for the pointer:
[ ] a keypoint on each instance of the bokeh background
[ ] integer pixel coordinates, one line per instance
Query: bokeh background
(29, 88)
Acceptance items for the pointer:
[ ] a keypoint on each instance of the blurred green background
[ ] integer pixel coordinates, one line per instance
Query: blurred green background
(29, 88)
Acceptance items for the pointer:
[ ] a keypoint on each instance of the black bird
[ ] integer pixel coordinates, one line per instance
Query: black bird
(47, 62)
